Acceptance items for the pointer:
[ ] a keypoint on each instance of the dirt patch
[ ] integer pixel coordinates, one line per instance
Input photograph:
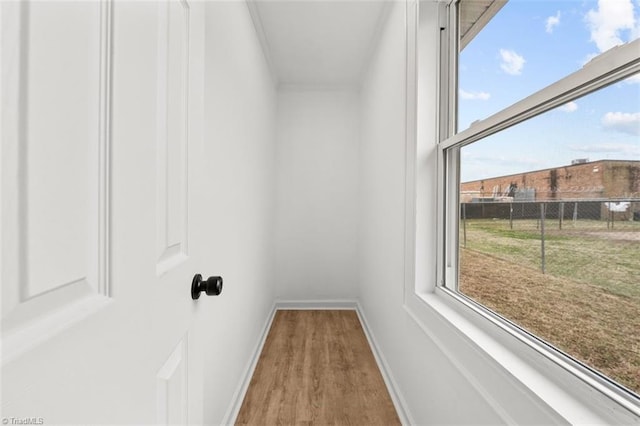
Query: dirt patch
(588, 322)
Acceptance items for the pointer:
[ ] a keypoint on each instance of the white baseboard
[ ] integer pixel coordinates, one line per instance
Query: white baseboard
(396, 396)
(238, 397)
(350, 304)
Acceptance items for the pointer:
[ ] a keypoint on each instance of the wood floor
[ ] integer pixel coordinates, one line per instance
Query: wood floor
(316, 367)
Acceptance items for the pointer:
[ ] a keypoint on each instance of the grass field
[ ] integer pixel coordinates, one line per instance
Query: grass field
(588, 301)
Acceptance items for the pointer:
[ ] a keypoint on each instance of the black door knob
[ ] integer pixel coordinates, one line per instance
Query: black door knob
(212, 286)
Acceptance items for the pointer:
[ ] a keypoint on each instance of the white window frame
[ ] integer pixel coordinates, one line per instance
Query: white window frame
(566, 385)
(607, 68)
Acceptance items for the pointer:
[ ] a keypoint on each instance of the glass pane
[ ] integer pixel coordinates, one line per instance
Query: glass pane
(530, 44)
(550, 228)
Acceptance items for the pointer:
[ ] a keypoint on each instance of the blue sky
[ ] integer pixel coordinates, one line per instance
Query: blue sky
(528, 45)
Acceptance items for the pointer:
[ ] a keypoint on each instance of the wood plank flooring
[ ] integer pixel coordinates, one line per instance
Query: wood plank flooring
(316, 367)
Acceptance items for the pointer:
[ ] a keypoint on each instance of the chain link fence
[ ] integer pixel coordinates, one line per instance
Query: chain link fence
(590, 223)
(593, 240)
(568, 271)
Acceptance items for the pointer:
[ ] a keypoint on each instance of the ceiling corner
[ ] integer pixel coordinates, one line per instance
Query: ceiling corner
(262, 38)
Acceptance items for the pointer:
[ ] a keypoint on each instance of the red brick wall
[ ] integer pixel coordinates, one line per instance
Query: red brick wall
(598, 179)
(622, 179)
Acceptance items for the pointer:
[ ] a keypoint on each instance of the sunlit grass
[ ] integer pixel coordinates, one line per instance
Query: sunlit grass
(587, 303)
(587, 251)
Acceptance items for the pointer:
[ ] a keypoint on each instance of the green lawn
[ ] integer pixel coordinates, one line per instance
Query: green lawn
(585, 251)
(587, 303)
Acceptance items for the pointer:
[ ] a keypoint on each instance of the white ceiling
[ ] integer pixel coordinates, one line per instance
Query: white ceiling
(318, 43)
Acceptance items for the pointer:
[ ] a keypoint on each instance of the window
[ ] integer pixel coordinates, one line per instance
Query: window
(542, 182)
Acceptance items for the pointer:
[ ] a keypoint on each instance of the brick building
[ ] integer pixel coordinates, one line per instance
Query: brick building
(579, 182)
(604, 179)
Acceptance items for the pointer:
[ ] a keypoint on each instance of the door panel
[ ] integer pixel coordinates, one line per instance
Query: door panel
(54, 219)
(172, 386)
(55, 180)
(102, 115)
(172, 135)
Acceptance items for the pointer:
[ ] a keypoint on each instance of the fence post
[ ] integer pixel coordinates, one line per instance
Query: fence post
(575, 213)
(542, 215)
(464, 223)
(510, 215)
(613, 217)
(560, 215)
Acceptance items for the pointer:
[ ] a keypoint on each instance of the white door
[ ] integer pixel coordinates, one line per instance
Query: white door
(102, 120)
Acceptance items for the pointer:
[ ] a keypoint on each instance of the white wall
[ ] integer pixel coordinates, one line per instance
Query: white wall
(317, 194)
(437, 389)
(311, 189)
(450, 365)
(240, 116)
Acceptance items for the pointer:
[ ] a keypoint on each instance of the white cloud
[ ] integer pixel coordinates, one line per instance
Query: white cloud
(512, 63)
(625, 122)
(552, 21)
(608, 22)
(569, 107)
(633, 79)
(502, 160)
(609, 148)
(483, 96)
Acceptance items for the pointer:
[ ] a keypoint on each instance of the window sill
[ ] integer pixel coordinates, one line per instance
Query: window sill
(547, 380)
